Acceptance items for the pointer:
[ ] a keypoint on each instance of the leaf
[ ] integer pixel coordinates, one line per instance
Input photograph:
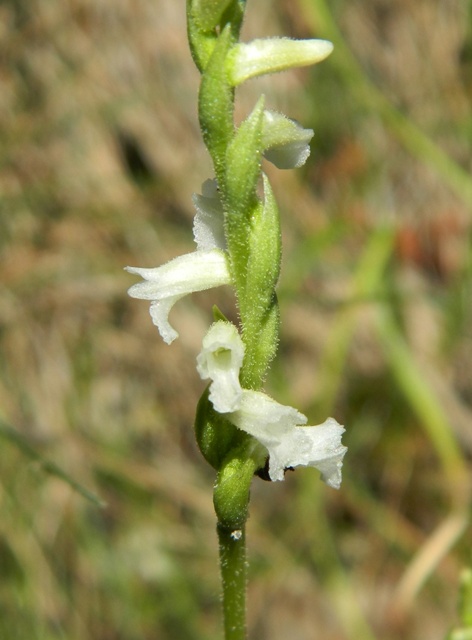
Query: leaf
(21, 443)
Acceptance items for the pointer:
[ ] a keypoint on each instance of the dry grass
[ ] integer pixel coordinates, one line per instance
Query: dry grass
(100, 154)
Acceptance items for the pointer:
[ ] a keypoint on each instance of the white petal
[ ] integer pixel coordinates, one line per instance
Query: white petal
(285, 142)
(208, 224)
(276, 427)
(221, 359)
(185, 274)
(264, 418)
(159, 311)
(318, 447)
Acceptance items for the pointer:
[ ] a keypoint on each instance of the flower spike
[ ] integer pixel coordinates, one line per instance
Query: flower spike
(239, 429)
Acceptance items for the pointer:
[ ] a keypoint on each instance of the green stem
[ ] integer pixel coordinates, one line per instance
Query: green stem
(232, 544)
(231, 500)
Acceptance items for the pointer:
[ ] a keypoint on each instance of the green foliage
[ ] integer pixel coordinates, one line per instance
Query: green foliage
(465, 609)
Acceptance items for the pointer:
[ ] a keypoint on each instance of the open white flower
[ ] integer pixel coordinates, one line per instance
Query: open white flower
(277, 427)
(220, 359)
(185, 274)
(203, 269)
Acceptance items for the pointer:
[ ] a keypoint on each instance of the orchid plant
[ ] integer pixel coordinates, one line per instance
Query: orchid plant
(240, 430)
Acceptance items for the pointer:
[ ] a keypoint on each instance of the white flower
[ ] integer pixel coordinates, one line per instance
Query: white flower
(285, 142)
(185, 274)
(277, 427)
(269, 55)
(203, 269)
(220, 359)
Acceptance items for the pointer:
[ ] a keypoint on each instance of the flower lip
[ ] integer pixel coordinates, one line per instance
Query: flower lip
(289, 445)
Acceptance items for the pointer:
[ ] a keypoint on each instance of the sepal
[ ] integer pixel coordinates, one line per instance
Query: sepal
(290, 445)
(208, 223)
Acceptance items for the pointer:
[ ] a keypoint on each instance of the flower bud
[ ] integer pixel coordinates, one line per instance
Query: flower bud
(285, 142)
(269, 55)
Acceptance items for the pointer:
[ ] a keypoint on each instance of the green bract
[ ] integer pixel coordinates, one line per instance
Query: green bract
(207, 13)
(215, 104)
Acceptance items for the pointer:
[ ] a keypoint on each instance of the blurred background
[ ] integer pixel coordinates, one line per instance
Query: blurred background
(100, 153)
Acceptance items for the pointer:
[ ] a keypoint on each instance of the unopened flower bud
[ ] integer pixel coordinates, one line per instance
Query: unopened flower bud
(269, 55)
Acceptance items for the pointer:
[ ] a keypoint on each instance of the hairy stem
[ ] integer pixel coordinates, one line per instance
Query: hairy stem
(232, 545)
